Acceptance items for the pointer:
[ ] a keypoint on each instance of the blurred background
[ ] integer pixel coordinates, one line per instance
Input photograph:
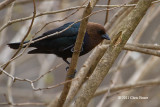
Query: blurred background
(134, 67)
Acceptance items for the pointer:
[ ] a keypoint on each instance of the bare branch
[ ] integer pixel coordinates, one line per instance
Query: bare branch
(129, 25)
(68, 9)
(107, 12)
(77, 48)
(30, 27)
(141, 84)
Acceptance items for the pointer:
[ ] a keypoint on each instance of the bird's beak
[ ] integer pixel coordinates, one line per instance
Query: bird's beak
(105, 36)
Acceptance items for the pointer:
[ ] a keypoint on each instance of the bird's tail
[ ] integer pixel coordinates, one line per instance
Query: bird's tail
(15, 45)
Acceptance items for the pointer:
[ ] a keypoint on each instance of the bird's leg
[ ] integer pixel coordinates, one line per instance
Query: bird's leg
(65, 60)
(73, 75)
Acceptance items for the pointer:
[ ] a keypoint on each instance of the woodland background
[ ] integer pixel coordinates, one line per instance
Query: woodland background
(136, 73)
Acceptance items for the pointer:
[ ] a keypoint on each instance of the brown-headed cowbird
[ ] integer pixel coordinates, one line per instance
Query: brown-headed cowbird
(63, 43)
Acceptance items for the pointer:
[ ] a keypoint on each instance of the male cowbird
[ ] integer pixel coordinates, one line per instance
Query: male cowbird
(63, 43)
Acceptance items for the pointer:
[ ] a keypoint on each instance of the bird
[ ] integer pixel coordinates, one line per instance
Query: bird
(62, 44)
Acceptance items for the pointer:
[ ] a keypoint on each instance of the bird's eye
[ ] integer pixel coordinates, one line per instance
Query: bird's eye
(101, 32)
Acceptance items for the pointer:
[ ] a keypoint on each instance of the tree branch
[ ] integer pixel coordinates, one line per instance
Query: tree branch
(72, 8)
(145, 83)
(127, 27)
(21, 45)
(107, 12)
(76, 52)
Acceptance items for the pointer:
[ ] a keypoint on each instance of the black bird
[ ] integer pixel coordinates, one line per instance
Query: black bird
(63, 43)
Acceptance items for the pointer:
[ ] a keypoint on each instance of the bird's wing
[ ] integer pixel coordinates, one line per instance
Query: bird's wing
(62, 40)
(72, 31)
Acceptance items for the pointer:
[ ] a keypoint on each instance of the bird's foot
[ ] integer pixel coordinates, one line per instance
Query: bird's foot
(67, 68)
(72, 75)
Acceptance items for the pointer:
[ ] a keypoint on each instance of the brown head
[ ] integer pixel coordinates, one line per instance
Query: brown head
(96, 34)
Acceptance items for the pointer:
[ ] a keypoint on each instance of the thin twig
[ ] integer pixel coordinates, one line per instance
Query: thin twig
(30, 27)
(57, 85)
(142, 50)
(47, 72)
(107, 12)
(9, 85)
(145, 83)
(64, 10)
(32, 81)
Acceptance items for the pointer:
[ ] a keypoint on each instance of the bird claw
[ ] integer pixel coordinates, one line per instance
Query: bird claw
(67, 68)
(72, 75)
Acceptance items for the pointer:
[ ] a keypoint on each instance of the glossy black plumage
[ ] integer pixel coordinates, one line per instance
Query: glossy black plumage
(62, 44)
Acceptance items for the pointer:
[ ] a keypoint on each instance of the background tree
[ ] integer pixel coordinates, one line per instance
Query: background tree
(113, 74)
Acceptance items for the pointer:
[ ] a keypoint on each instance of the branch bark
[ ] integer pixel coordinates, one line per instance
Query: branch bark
(76, 52)
(127, 27)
